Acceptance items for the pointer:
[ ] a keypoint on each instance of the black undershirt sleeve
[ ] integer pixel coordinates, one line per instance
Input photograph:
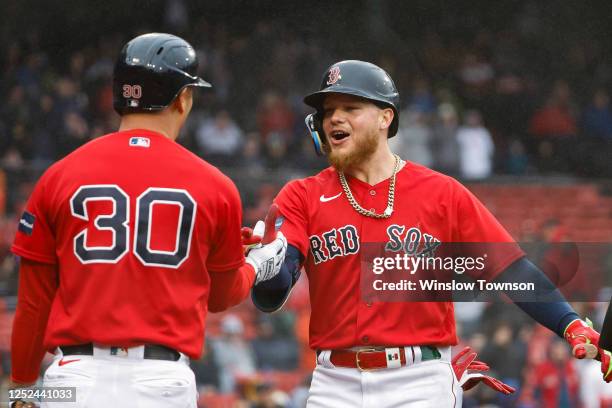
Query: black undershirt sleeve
(553, 311)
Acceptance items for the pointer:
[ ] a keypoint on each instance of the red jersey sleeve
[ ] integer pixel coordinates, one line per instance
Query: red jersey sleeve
(37, 286)
(292, 202)
(226, 252)
(227, 289)
(35, 239)
(474, 223)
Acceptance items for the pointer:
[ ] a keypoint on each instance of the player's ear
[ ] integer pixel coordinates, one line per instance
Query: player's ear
(182, 103)
(385, 118)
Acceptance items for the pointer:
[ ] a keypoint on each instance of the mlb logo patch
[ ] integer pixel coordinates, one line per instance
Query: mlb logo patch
(140, 141)
(26, 223)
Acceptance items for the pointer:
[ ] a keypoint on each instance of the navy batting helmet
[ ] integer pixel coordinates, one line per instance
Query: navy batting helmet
(358, 78)
(151, 71)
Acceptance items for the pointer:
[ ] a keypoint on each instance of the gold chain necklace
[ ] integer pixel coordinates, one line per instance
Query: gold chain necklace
(389, 210)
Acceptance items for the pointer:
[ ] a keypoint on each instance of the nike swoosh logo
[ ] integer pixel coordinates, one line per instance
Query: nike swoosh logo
(326, 199)
(64, 362)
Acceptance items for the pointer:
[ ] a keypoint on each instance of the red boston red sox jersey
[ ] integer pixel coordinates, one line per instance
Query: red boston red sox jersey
(134, 222)
(329, 232)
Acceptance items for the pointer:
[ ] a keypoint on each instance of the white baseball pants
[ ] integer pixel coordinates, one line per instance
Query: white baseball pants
(428, 384)
(107, 381)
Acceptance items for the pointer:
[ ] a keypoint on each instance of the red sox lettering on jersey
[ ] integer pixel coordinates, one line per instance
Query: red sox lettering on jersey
(341, 241)
(344, 241)
(430, 208)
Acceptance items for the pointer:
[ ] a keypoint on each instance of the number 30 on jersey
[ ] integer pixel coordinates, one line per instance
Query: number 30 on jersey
(118, 224)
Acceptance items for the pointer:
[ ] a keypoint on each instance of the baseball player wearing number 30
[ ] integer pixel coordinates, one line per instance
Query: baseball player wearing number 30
(125, 245)
(386, 354)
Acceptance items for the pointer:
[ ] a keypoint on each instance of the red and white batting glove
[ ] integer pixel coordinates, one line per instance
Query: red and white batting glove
(583, 340)
(249, 238)
(464, 362)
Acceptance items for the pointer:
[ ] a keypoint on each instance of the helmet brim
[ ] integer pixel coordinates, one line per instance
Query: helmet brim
(200, 83)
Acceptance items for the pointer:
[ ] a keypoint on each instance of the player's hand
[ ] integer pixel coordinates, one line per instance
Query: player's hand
(264, 232)
(267, 259)
(249, 237)
(469, 373)
(606, 364)
(583, 340)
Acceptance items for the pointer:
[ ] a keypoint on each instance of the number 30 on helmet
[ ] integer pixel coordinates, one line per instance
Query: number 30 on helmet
(152, 69)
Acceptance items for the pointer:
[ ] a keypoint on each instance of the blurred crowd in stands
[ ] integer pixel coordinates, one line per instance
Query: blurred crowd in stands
(481, 96)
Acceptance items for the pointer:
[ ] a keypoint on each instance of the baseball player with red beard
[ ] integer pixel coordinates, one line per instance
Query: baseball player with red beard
(385, 354)
(125, 245)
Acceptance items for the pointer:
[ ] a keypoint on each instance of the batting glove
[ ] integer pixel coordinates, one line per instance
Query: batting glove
(464, 362)
(606, 364)
(267, 259)
(249, 239)
(583, 340)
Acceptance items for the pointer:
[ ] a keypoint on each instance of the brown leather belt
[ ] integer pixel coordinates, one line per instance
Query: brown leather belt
(376, 359)
(151, 351)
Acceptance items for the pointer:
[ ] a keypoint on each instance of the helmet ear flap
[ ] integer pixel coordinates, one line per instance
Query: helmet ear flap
(314, 124)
